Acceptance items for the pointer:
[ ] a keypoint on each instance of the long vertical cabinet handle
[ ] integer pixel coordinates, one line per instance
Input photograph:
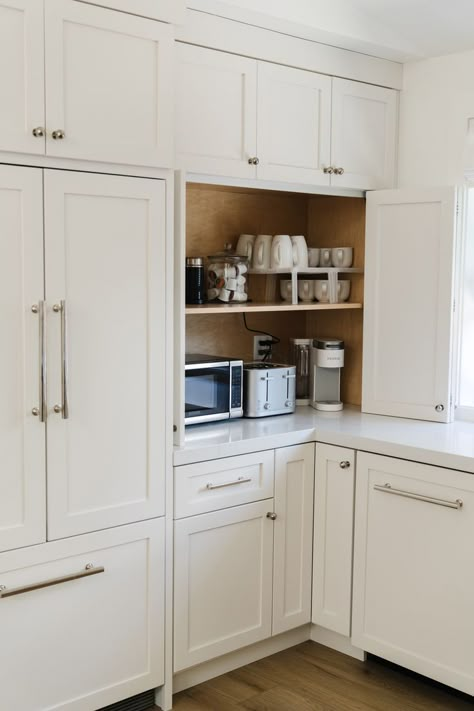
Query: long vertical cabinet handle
(42, 362)
(64, 373)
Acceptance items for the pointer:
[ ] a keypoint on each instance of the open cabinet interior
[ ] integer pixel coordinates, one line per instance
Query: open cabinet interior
(216, 215)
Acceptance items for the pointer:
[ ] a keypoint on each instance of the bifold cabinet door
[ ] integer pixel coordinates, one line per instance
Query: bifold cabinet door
(82, 620)
(22, 76)
(216, 113)
(333, 537)
(222, 582)
(108, 85)
(106, 288)
(22, 434)
(408, 309)
(364, 135)
(292, 566)
(413, 572)
(294, 124)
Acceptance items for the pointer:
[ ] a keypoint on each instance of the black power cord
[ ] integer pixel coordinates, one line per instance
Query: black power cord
(274, 342)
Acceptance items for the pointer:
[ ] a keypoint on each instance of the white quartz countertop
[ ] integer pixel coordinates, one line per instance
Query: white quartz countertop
(450, 446)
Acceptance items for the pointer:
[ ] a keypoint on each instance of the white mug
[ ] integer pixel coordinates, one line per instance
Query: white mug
(321, 290)
(343, 290)
(261, 252)
(286, 289)
(306, 290)
(325, 257)
(342, 257)
(245, 245)
(300, 251)
(282, 252)
(313, 256)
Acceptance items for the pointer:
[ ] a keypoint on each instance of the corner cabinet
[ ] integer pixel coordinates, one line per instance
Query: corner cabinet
(413, 577)
(243, 118)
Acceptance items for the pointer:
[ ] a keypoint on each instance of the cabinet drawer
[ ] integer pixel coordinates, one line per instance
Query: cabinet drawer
(76, 638)
(220, 483)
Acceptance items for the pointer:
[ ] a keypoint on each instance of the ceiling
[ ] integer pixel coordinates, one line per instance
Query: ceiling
(401, 30)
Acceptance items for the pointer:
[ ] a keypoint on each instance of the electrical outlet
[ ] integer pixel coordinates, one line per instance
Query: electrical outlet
(261, 346)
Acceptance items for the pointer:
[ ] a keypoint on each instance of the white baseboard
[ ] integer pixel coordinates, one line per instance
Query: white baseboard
(336, 641)
(234, 660)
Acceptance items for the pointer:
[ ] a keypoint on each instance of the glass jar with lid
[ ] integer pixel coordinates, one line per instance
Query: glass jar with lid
(227, 274)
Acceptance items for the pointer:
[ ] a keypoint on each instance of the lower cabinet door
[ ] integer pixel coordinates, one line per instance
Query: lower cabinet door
(413, 571)
(82, 620)
(333, 537)
(222, 582)
(292, 562)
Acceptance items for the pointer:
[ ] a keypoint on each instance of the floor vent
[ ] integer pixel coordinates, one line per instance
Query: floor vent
(141, 702)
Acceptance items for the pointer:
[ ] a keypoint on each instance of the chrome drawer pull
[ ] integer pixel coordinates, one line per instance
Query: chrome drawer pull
(387, 488)
(240, 480)
(87, 572)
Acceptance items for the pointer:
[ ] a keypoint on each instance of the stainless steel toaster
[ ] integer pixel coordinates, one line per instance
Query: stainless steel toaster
(269, 389)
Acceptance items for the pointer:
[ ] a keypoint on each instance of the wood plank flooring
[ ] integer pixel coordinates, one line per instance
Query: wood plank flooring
(311, 677)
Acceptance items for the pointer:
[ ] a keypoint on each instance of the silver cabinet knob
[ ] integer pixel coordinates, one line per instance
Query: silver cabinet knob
(58, 135)
(439, 408)
(254, 161)
(272, 516)
(35, 411)
(339, 171)
(38, 132)
(329, 170)
(345, 464)
(57, 409)
(35, 308)
(56, 308)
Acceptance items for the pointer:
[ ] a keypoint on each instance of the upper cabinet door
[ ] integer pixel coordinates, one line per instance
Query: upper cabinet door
(108, 86)
(105, 260)
(22, 434)
(408, 317)
(363, 144)
(164, 10)
(22, 76)
(294, 124)
(216, 113)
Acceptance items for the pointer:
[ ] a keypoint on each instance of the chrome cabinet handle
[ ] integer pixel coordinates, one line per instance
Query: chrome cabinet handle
(345, 464)
(439, 408)
(64, 408)
(86, 573)
(58, 135)
(240, 480)
(387, 489)
(41, 410)
(329, 170)
(254, 161)
(38, 132)
(339, 171)
(271, 515)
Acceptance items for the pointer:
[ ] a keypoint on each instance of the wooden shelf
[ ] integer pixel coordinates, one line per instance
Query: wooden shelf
(309, 270)
(262, 307)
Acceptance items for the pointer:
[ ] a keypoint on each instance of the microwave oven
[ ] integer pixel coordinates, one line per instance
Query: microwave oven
(212, 388)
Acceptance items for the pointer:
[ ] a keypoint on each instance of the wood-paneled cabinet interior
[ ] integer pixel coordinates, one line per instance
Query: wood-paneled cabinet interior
(98, 326)
(244, 118)
(243, 573)
(96, 605)
(81, 81)
(413, 582)
(409, 303)
(333, 537)
(164, 10)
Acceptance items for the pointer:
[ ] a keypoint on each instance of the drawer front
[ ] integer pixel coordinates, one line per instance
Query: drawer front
(220, 483)
(91, 636)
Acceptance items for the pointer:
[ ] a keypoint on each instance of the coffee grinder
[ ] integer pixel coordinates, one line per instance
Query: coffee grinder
(327, 359)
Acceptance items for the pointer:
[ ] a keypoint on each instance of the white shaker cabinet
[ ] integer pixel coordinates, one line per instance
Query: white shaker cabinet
(22, 429)
(333, 537)
(22, 117)
(413, 572)
(222, 582)
(292, 560)
(216, 96)
(408, 304)
(108, 85)
(105, 290)
(82, 620)
(164, 10)
(364, 135)
(293, 124)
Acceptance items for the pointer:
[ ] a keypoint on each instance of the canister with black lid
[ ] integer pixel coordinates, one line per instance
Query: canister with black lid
(195, 287)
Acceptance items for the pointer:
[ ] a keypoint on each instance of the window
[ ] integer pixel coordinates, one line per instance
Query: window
(466, 362)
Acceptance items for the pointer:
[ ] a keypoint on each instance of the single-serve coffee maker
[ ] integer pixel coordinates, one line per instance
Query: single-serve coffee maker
(327, 359)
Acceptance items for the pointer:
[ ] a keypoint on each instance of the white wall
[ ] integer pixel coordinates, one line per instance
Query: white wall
(437, 101)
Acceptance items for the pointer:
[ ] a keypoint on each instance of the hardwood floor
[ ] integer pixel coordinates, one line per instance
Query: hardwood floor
(311, 677)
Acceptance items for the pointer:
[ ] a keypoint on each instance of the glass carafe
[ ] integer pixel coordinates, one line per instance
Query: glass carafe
(300, 352)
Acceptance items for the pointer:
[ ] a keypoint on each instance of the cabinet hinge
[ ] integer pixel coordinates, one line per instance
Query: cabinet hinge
(454, 305)
(457, 208)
